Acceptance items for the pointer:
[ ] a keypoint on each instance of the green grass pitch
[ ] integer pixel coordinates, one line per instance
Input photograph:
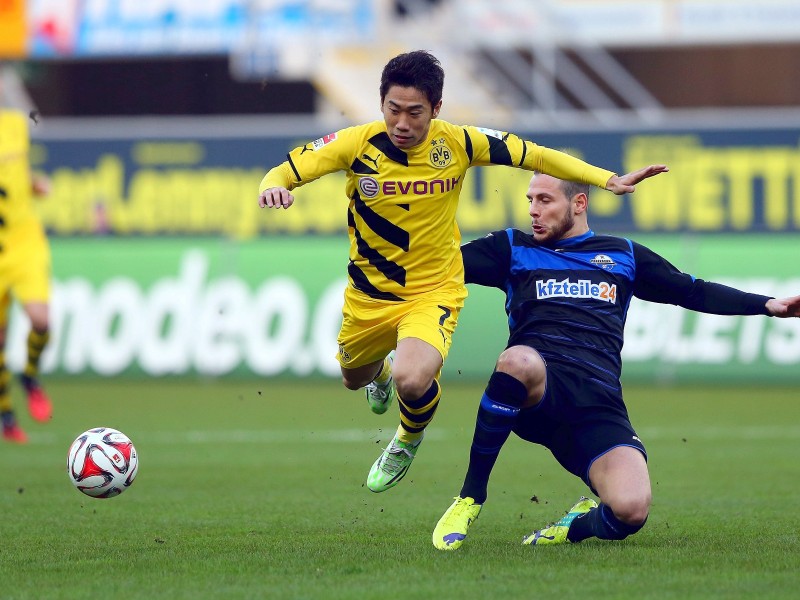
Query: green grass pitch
(256, 490)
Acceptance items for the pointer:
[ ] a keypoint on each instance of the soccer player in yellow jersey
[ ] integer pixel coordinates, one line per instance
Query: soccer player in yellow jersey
(406, 277)
(24, 267)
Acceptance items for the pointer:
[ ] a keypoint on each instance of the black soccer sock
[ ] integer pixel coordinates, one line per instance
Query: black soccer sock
(497, 412)
(601, 523)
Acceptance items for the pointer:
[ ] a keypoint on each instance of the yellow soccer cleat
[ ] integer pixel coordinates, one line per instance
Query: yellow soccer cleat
(451, 530)
(557, 533)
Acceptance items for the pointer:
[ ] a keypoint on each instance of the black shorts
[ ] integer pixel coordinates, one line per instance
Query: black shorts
(578, 420)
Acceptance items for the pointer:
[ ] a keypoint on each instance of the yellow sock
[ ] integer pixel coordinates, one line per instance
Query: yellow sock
(385, 372)
(407, 437)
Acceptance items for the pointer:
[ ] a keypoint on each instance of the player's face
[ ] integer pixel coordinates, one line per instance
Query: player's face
(408, 115)
(550, 210)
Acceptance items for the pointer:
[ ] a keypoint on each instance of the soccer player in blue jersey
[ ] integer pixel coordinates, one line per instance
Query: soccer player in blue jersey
(405, 276)
(557, 382)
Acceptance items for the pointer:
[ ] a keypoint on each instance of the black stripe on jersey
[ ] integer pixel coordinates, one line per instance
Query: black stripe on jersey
(389, 268)
(468, 145)
(291, 164)
(498, 151)
(359, 167)
(524, 152)
(380, 225)
(360, 282)
(405, 207)
(383, 143)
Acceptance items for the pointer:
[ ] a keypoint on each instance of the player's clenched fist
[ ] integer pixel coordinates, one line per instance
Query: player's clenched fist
(275, 197)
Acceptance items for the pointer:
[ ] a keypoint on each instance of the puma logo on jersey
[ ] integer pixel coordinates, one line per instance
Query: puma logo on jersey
(374, 161)
(583, 288)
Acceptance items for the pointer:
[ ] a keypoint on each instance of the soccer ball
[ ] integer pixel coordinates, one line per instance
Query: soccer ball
(102, 462)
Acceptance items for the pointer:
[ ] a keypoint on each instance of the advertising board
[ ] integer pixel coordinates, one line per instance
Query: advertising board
(272, 307)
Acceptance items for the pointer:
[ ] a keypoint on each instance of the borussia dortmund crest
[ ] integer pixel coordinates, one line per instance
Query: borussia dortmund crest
(441, 155)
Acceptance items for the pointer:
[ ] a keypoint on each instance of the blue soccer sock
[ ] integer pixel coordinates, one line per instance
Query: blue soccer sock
(497, 413)
(601, 523)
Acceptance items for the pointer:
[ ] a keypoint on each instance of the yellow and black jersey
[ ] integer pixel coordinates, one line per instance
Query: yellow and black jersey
(17, 214)
(404, 239)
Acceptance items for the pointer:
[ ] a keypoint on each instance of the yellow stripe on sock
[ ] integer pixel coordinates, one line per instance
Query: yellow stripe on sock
(36, 345)
(411, 427)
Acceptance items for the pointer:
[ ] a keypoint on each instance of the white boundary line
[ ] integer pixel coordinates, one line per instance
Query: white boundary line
(328, 436)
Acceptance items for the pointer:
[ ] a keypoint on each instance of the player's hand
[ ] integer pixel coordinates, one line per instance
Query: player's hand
(275, 197)
(784, 307)
(623, 184)
(40, 184)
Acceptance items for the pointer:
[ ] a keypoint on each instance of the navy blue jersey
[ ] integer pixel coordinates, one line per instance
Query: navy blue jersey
(569, 300)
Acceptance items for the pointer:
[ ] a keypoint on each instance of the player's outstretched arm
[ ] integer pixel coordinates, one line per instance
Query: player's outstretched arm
(624, 184)
(784, 307)
(275, 197)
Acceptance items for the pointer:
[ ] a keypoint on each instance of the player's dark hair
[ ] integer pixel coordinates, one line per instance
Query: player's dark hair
(418, 69)
(572, 188)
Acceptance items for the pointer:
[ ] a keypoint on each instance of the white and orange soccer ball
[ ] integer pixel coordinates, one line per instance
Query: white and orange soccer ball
(102, 462)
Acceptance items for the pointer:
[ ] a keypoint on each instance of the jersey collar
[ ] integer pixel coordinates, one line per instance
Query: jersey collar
(574, 240)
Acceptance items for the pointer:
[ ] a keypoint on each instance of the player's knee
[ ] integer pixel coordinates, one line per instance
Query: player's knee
(632, 510)
(41, 326)
(411, 386)
(355, 379)
(521, 362)
(526, 365)
(39, 316)
(350, 384)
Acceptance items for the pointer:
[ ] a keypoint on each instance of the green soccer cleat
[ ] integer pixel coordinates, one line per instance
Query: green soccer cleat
(381, 395)
(557, 533)
(392, 465)
(451, 530)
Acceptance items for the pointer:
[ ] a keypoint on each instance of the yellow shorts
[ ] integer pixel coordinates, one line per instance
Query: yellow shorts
(25, 274)
(371, 328)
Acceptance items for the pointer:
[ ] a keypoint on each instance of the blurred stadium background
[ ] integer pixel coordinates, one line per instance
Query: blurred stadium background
(156, 120)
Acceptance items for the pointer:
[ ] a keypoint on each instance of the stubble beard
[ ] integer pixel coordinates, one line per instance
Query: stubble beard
(560, 229)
